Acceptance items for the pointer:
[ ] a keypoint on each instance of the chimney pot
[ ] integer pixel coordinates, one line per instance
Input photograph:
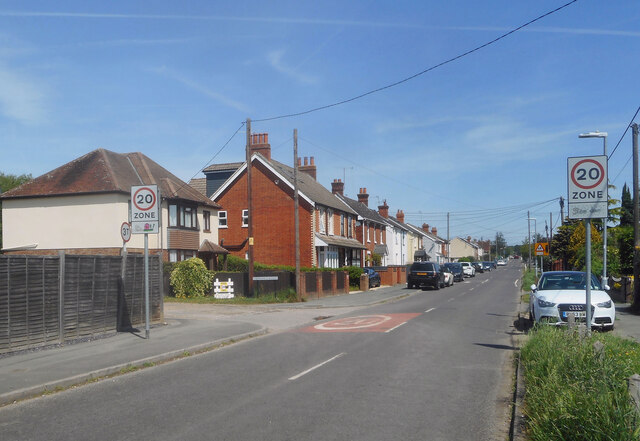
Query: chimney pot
(363, 197)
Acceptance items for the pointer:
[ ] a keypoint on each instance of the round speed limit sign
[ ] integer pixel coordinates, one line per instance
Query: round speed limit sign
(144, 198)
(125, 231)
(587, 185)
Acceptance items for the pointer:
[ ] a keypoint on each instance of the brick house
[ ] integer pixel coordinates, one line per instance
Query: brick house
(371, 227)
(460, 247)
(326, 224)
(80, 206)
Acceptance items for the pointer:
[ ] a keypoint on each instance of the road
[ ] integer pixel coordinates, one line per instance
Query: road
(432, 366)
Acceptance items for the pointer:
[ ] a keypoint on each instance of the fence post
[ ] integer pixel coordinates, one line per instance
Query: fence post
(61, 266)
(161, 286)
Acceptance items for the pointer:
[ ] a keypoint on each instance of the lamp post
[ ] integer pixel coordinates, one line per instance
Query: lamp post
(535, 236)
(602, 135)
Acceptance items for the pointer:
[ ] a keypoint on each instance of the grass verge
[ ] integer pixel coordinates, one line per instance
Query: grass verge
(575, 392)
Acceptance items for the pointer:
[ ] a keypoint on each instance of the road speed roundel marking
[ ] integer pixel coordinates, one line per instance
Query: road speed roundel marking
(144, 199)
(587, 174)
(363, 321)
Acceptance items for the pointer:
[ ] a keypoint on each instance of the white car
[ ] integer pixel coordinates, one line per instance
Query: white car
(467, 269)
(559, 293)
(448, 276)
(502, 262)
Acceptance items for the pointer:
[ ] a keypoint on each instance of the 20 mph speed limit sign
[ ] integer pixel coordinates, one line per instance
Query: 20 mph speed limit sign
(588, 189)
(145, 213)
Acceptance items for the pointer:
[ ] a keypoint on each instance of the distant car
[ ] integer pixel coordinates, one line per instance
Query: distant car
(456, 270)
(559, 293)
(374, 277)
(448, 276)
(478, 266)
(502, 262)
(468, 269)
(425, 274)
(487, 266)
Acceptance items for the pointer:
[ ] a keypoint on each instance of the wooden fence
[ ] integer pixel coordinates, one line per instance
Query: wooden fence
(53, 299)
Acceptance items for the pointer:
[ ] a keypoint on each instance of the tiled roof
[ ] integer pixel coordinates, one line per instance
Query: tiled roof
(227, 166)
(200, 184)
(364, 211)
(104, 171)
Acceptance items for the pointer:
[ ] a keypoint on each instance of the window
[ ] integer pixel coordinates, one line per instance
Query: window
(350, 226)
(375, 235)
(330, 223)
(206, 216)
(245, 218)
(183, 215)
(222, 219)
(322, 220)
(341, 224)
(368, 232)
(180, 255)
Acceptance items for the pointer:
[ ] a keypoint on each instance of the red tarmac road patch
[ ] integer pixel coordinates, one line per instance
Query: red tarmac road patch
(363, 323)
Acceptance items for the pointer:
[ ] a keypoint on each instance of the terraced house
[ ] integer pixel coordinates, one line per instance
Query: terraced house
(326, 224)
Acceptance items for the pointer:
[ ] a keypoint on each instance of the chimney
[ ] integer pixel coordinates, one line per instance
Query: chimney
(308, 168)
(260, 144)
(469, 239)
(400, 216)
(384, 209)
(434, 231)
(337, 187)
(425, 227)
(363, 197)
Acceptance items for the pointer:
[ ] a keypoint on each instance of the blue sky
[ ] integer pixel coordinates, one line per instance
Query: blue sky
(176, 80)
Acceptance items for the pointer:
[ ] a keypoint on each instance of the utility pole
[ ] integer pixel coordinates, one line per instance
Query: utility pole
(636, 218)
(296, 215)
(529, 228)
(448, 241)
(250, 215)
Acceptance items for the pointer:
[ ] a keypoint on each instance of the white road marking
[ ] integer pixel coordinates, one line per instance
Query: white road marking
(295, 377)
(516, 282)
(395, 327)
(450, 300)
(429, 310)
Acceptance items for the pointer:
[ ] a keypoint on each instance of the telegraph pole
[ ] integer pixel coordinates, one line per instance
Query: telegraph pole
(296, 215)
(529, 228)
(636, 218)
(250, 216)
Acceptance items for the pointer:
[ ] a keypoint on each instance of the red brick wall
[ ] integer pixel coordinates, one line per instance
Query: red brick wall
(273, 220)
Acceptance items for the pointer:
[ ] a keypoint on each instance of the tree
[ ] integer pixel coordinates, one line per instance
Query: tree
(626, 214)
(7, 182)
(561, 240)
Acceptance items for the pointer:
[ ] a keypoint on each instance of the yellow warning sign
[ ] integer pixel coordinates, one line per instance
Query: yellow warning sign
(542, 249)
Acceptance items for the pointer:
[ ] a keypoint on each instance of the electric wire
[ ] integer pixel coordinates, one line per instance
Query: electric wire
(625, 132)
(443, 63)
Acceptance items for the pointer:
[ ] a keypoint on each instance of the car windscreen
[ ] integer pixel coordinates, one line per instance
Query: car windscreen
(566, 281)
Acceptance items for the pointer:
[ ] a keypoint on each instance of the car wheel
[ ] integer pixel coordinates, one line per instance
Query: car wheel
(436, 286)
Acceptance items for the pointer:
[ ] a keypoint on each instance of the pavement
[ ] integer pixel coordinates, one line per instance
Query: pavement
(188, 329)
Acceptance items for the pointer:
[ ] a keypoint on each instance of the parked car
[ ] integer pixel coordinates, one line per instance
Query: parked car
(448, 276)
(559, 293)
(456, 270)
(478, 266)
(502, 262)
(423, 274)
(374, 277)
(468, 269)
(487, 266)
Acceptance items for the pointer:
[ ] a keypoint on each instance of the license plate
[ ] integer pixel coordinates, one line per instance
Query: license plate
(422, 274)
(577, 314)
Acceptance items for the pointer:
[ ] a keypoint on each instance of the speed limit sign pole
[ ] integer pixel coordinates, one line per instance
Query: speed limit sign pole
(145, 219)
(588, 199)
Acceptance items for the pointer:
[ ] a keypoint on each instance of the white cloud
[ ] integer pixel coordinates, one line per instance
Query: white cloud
(21, 98)
(275, 60)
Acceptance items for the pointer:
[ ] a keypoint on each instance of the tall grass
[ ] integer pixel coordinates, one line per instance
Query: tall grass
(575, 393)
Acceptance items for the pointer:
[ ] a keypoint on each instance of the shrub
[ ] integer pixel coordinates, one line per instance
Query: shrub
(354, 274)
(191, 278)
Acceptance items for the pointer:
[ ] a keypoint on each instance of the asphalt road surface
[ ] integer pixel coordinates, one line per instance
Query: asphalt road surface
(432, 366)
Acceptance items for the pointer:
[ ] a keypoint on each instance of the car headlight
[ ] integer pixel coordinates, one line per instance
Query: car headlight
(606, 304)
(545, 304)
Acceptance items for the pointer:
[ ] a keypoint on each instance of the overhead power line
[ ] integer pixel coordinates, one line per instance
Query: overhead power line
(625, 132)
(429, 69)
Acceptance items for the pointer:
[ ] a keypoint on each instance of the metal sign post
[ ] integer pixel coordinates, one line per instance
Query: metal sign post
(145, 219)
(588, 199)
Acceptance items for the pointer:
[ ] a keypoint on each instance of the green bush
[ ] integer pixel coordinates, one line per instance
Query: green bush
(575, 393)
(354, 274)
(191, 278)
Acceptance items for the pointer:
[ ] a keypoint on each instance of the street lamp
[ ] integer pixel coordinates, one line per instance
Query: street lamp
(535, 236)
(602, 135)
